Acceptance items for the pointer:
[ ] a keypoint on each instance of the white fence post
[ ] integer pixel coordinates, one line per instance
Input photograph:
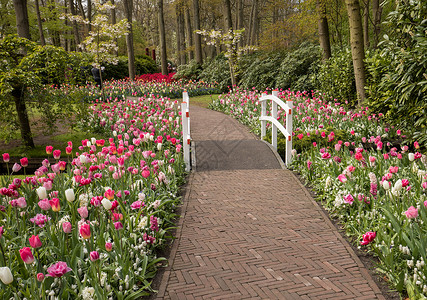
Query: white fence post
(289, 129)
(263, 114)
(287, 132)
(185, 116)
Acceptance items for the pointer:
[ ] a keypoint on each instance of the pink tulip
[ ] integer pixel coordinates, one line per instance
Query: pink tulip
(56, 206)
(56, 154)
(49, 149)
(1, 231)
(83, 212)
(145, 173)
(44, 204)
(6, 157)
(342, 178)
(411, 213)
(24, 162)
(85, 231)
(368, 237)
(16, 167)
(58, 269)
(94, 255)
(108, 247)
(35, 241)
(348, 199)
(66, 227)
(118, 225)
(109, 194)
(26, 255)
(40, 277)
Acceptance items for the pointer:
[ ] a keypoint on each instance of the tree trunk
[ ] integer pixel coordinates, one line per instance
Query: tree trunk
(240, 19)
(82, 11)
(22, 25)
(23, 29)
(366, 24)
(323, 30)
(357, 49)
(114, 21)
(376, 16)
(189, 34)
(255, 24)
(24, 123)
(89, 14)
(128, 4)
(182, 33)
(162, 38)
(228, 24)
(39, 23)
(75, 26)
(197, 37)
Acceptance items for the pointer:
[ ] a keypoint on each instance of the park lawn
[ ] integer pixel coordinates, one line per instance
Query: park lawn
(203, 101)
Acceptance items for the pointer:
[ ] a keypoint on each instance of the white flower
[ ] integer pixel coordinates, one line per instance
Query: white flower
(386, 185)
(82, 158)
(411, 156)
(41, 192)
(88, 293)
(69, 195)
(6, 275)
(106, 203)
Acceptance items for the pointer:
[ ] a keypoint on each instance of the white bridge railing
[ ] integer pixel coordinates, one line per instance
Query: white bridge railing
(186, 138)
(287, 132)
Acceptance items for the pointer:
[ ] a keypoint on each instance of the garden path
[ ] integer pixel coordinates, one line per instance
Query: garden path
(250, 230)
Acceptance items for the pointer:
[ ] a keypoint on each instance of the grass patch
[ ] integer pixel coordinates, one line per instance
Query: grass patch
(58, 142)
(203, 101)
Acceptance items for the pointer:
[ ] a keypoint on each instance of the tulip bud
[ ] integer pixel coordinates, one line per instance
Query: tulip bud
(106, 203)
(40, 277)
(69, 195)
(41, 192)
(108, 247)
(6, 157)
(82, 159)
(94, 255)
(411, 156)
(6, 275)
(386, 185)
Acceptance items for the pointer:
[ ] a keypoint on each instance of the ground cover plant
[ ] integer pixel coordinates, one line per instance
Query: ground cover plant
(88, 225)
(367, 174)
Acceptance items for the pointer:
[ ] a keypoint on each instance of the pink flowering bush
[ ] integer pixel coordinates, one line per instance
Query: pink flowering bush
(95, 219)
(377, 189)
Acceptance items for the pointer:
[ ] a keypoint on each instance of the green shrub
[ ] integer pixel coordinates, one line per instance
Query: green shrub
(145, 65)
(217, 70)
(297, 67)
(190, 71)
(335, 77)
(261, 71)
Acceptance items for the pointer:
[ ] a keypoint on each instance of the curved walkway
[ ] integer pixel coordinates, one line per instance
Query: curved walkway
(250, 230)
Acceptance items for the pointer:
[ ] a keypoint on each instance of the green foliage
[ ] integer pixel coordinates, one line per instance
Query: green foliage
(143, 65)
(335, 77)
(297, 68)
(190, 71)
(262, 71)
(400, 69)
(217, 70)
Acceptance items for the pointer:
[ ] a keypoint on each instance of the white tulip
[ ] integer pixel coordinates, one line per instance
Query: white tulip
(386, 185)
(93, 141)
(398, 185)
(159, 146)
(411, 156)
(41, 192)
(69, 195)
(82, 158)
(106, 203)
(6, 275)
(114, 133)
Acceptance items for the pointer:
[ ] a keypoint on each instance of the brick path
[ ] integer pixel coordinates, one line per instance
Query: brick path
(250, 230)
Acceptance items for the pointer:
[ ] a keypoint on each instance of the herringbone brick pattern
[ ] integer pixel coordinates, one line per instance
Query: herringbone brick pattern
(254, 232)
(257, 235)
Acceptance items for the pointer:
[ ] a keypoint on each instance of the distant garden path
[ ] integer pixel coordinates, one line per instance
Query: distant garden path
(250, 230)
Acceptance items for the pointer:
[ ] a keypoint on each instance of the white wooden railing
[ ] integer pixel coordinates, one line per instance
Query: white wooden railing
(186, 138)
(287, 132)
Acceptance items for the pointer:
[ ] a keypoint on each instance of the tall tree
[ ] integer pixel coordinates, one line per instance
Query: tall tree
(23, 30)
(323, 26)
(180, 33)
(128, 4)
(240, 20)
(21, 13)
(39, 23)
(189, 33)
(163, 55)
(89, 14)
(357, 46)
(228, 24)
(254, 24)
(114, 21)
(376, 16)
(366, 23)
(197, 38)
(75, 26)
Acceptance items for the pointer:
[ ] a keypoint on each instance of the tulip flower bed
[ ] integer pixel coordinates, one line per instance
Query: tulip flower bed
(120, 89)
(376, 189)
(88, 226)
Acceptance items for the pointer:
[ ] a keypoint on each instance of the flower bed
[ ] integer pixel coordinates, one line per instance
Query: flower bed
(89, 225)
(377, 189)
(120, 89)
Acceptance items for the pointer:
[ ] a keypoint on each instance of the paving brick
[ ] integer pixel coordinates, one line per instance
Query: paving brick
(255, 233)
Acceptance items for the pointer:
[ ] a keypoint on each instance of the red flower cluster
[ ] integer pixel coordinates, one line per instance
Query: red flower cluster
(156, 77)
